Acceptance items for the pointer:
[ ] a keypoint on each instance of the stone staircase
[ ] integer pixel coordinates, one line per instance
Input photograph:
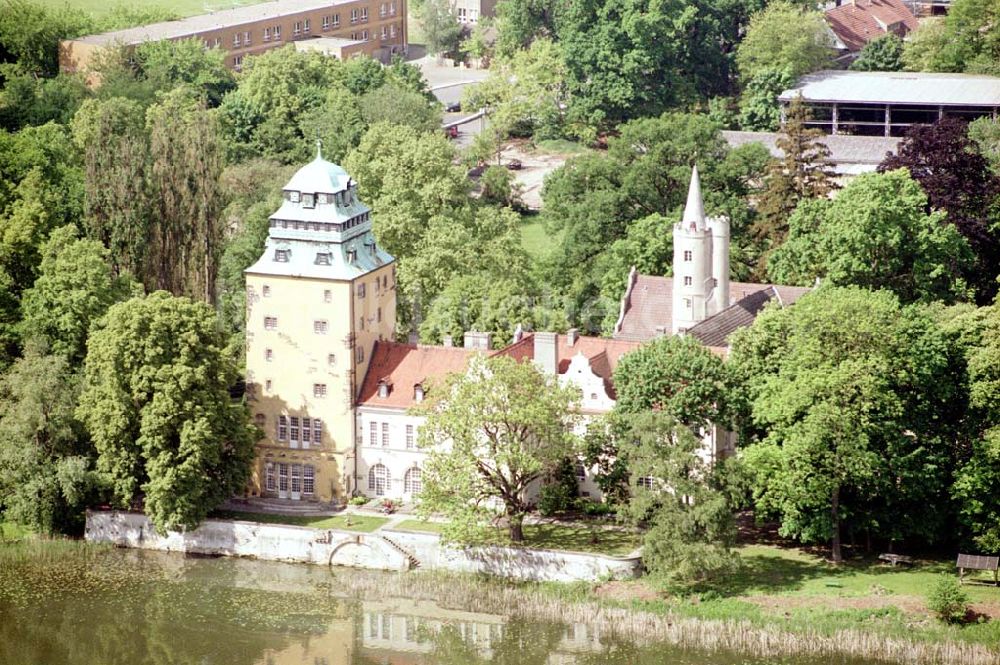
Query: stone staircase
(282, 507)
(413, 561)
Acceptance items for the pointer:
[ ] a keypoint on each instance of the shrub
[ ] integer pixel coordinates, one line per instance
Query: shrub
(596, 508)
(948, 600)
(358, 500)
(559, 492)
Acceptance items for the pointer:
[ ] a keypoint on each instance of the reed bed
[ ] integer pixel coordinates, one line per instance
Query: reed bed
(646, 627)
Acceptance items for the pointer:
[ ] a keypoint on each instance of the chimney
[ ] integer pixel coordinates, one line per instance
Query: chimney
(545, 352)
(572, 335)
(447, 340)
(477, 340)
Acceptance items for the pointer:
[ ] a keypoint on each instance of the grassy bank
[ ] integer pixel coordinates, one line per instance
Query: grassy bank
(567, 537)
(535, 239)
(690, 622)
(181, 8)
(362, 523)
(11, 531)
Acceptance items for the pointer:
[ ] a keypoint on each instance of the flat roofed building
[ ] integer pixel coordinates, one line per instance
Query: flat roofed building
(380, 26)
(889, 103)
(849, 155)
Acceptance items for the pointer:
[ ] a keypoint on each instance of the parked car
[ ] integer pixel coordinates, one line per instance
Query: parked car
(515, 165)
(451, 132)
(454, 107)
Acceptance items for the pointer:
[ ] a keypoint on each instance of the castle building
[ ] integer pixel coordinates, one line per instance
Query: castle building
(334, 394)
(699, 299)
(318, 300)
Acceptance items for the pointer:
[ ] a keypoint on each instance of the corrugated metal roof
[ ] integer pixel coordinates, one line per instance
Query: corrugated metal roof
(193, 25)
(844, 149)
(919, 89)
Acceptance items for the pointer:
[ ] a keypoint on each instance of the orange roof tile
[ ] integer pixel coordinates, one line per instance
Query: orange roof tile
(857, 22)
(403, 366)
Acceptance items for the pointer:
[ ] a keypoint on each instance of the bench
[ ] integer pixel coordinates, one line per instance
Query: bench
(896, 558)
(977, 562)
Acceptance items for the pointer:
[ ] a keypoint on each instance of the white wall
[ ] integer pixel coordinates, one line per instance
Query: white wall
(386, 550)
(395, 456)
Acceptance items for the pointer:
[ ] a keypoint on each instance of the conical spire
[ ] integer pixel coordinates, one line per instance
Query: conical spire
(694, 210)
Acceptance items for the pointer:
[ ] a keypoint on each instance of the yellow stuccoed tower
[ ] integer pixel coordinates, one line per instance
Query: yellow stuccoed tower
(318, 299)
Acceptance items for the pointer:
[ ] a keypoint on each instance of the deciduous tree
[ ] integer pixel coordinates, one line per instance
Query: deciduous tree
(490, 433)
(156, 403)
(878, 234)
(882, 54)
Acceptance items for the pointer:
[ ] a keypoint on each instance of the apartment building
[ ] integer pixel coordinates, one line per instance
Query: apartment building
(376, 28)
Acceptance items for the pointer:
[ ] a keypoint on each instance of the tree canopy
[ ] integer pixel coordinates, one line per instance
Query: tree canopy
(156, 403)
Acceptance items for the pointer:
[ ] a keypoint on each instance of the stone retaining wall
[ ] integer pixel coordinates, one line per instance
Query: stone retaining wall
(381, 550)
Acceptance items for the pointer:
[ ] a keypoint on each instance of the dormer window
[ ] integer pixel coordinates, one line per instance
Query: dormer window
(383, 389)
(352, 255)
(323, 258)
(418, 393)
(308, 200)
(282, 255)
(293, 197)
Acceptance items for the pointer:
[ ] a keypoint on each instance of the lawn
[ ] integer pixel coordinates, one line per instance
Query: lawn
(362, 523)
(569, 537)
(535, 239)
(181, 8)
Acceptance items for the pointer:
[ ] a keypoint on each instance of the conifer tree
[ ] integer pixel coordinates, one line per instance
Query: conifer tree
(803, 172)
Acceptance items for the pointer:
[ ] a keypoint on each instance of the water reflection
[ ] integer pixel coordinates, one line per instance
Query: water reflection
(128, 607)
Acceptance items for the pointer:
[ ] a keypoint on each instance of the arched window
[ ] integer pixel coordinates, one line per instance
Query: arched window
(378, 479)
(412, 481)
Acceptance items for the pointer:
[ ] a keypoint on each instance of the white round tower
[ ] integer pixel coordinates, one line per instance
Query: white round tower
(692, 261)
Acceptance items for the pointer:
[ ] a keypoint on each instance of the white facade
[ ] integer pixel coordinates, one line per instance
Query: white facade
(389, 461)
(701, 262)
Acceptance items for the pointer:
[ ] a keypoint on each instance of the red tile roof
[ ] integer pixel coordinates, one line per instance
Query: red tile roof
(857, 22)
(403, 366)
(649, 306)
(602, 353)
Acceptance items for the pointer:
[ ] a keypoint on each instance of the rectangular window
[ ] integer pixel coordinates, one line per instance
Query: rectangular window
(269, 484)
(382, 9)
(385, 32)
(392, 30)
(267, 385)
(293, 430)
(277, 32)
(308, 479)
(319, 327)
(267, 34)
(364, 35)
(296, 478)
(282, 428)
(297, 28)
(306, 432)
(409, 436)
(331, 359)
(328, 296)
(373, 434)
(267, 291)
(361, 323)
(687, 254)
(218, 42)
(378, 315)
(354, 16)
(236, 40)
(317, 431)
(687, 281)
(268, 355)
(246, 38)
(326, 22)
(385, 435)
(336, 20)
(323, 259)
(319, 390)
(238, 62)
(359, 355)
(282, 255)
(361, 290)
(392, 7)
(364, 13)
(306, 25)
(270, 323)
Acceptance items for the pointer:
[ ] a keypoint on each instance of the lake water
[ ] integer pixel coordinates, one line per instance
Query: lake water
(110, 607)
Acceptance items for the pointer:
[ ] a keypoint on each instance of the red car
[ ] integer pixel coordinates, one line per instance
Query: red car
(451, 132)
